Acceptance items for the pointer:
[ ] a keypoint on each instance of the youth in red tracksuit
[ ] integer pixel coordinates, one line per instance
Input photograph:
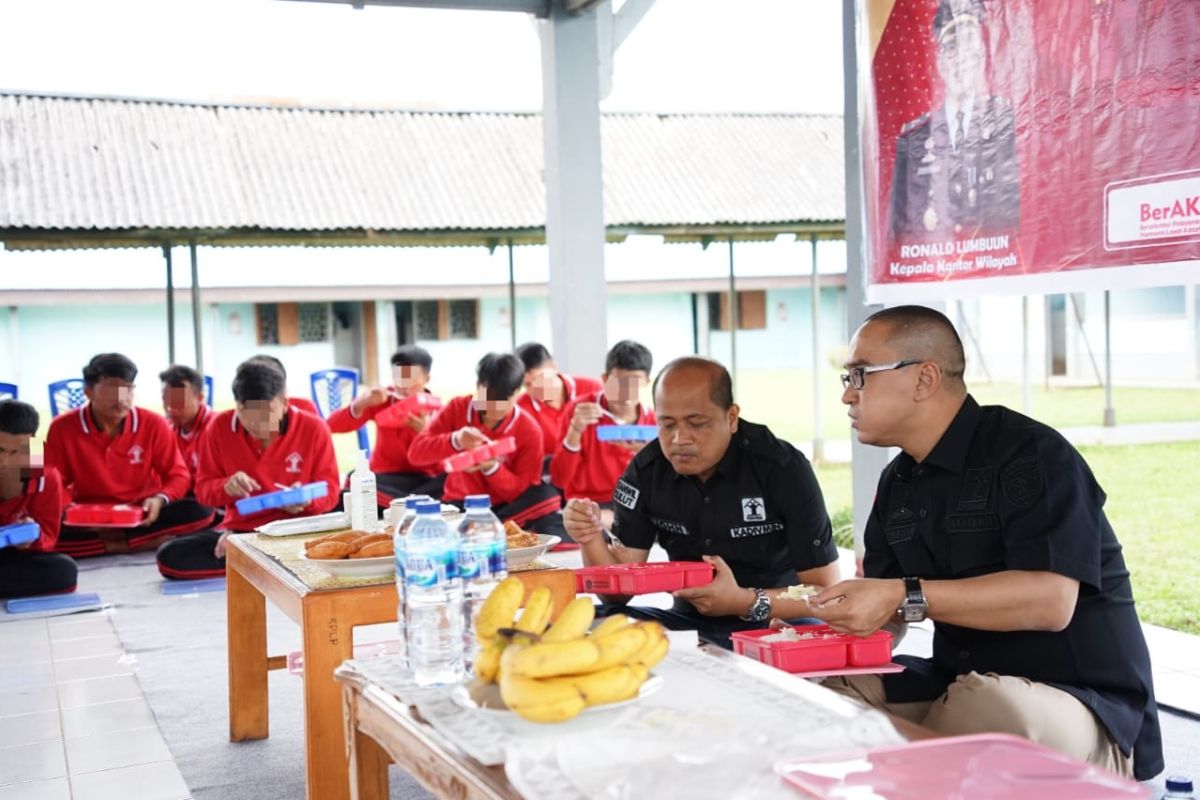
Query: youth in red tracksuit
(35, 569)
(302, 453)
(138, 462)
(188, 442)
(514, 484)
(395, 475)
(549, 418)
(592, 470)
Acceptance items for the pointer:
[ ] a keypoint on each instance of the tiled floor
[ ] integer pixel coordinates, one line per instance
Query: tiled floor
(73, 722)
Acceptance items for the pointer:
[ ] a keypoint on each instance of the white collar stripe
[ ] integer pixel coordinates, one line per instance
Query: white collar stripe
(83, 418)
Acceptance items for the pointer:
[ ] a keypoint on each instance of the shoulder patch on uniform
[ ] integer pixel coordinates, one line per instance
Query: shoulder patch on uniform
(625, 494)
(1022, 481)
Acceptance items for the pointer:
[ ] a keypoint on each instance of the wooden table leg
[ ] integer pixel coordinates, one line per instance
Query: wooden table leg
(368, 767)
(246, 611)
(327, 643)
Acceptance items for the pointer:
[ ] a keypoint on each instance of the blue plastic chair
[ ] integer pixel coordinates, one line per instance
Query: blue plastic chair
(208, 390)
(65, 395)
(8, 391)
(336, 388)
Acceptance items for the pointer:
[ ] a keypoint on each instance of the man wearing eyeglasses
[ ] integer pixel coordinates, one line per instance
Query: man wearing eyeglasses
(991, 525)
(715, 487)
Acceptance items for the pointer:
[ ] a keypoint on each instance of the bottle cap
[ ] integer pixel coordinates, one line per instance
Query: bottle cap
(413, 499)
(477, 501)
(429, 507)
(1178, 783)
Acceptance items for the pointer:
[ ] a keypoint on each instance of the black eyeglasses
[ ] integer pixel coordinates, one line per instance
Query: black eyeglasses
(857, 376)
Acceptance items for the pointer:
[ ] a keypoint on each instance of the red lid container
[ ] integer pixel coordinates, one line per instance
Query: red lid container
(659, 576)
(469, 458)
(104, 515)
(822, 650)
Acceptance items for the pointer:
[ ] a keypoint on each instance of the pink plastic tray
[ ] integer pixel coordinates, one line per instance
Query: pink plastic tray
(104, 515)
(981, 767)
(469, 458)
(660, 576)
(826, 650)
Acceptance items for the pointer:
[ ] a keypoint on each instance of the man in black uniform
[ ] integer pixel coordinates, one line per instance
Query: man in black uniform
(992, 525)
(956, 174)
(716, 487)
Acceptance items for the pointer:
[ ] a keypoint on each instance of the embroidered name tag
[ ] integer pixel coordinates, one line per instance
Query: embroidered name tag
(899, 534)
(962, 523)
(625, 494)
(669, 526)
(755, 530)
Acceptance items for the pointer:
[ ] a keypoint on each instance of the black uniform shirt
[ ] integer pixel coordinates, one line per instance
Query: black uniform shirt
(762, 510)
(1000, 492)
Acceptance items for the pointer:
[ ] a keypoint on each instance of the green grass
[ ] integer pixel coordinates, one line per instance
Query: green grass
(1153, 506)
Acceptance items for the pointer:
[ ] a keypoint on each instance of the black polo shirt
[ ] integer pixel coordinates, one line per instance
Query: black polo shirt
(999, 492)
(762, 510)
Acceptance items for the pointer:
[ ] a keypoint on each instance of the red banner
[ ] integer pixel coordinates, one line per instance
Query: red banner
(1029, 146)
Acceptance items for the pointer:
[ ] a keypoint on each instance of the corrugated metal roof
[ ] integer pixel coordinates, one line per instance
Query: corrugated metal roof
(111, 164)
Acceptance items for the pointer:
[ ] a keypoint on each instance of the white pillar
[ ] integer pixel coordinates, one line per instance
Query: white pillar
(574, 190)
(866, 462)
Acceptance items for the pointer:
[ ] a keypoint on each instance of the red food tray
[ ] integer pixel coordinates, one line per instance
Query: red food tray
(486, 452)
(104, 515)
(420, 403)
(826, 649)
(660, 576)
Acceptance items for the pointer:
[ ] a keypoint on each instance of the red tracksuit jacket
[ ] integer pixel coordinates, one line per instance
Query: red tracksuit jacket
(517, 472)
(392, 438)
(41, 502)
(548, 418)
(303, 453)
(593, 470)
(188, 442)
(139, 462)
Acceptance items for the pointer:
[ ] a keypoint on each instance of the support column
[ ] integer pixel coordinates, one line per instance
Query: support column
(575, 232)
(818, 441)
(866, 463)
(512, 298)
(1110, 414)
(1026, 370)
(196, 322)
(734, 321)
(166, 251)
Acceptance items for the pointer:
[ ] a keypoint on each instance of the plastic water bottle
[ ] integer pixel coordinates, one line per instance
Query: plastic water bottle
(363, 516)
(482, 562)
(1179, 788)
(399, 536)
(434, 616)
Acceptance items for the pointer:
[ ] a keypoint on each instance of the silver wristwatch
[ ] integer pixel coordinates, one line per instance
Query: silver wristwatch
(760, 609)
(914, 608)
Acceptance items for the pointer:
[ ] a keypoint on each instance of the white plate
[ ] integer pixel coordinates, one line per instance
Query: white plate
(314, 524)
(478, 697)
(354, 567)
(520, 556)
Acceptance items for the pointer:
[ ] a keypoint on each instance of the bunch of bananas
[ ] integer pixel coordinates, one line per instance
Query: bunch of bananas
(552, 675)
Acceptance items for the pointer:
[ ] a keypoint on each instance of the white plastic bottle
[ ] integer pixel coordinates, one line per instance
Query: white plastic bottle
(399, 538)
(434, 615)
(363, 516)
(1179, 788)
(482, 562)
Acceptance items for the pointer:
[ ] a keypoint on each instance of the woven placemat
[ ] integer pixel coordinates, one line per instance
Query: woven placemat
(287, 549)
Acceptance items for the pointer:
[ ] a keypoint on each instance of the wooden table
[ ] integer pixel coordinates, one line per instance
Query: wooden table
(380, 730)
(327, 620)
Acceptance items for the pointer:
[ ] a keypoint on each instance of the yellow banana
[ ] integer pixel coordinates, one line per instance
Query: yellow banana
(611, 625)
(618, 647)
(499, 608)
(557, 711)
(605, 686)
(573, 622)
(538, 701)
(487, 662)
(655, 655)
(548, 659)
(536, 615)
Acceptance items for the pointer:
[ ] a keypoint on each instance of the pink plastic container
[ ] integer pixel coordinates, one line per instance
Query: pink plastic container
(104, 515)
(469, 458)
(659, 576)
(824, 650)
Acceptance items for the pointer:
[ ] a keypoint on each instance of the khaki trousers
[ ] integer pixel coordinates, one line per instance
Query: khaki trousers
(993, 703)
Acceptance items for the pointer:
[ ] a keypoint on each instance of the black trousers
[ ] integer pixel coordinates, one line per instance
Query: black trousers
(26, 574)
(176, 519)
(191, 557)
(402, 484)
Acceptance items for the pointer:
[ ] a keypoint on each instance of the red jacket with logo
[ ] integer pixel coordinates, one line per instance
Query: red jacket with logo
(392, 436)
(550, 419)
(140, 461)
(592, 470)
(40, 502)
(516, 472)
(303, 453)
(188, 442)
